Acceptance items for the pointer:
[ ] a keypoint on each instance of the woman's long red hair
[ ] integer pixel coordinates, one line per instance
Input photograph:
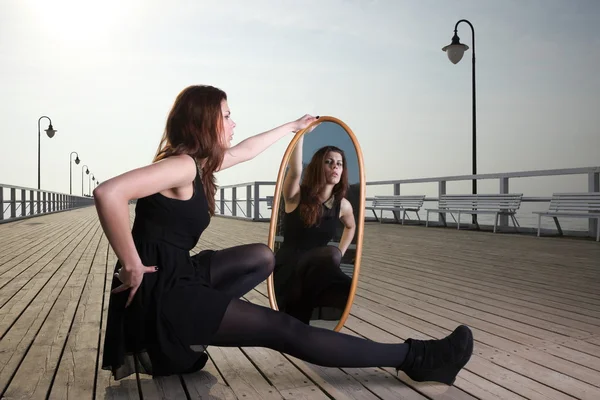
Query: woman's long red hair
(194, 126)
(314, 181)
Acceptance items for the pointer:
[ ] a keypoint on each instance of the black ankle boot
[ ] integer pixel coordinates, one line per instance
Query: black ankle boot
(438, 360)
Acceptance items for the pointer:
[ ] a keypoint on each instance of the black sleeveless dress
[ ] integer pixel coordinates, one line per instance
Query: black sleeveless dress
(297, 241)
(175, 312)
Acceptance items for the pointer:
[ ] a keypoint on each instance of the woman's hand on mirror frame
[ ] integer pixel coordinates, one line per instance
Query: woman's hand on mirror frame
(303, 122)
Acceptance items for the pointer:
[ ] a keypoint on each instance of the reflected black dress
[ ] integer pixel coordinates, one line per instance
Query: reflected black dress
(294, 289)
(175, 311)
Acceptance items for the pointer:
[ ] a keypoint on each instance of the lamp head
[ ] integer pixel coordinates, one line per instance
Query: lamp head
(455, 50)
(50, 131)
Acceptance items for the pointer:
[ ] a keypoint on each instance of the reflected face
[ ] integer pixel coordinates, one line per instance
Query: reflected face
(333, 167)
(228, 124)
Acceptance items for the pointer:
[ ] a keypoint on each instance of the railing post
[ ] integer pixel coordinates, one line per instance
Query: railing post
(256, 201)
(23, 202)
(222, 201)
(504, 190)
(441, 192)
(593, 186)
(13, 203)
(44, 202)
(249, 201)
(31, 202)
(396, 189)
(233, 201)
(1, 203)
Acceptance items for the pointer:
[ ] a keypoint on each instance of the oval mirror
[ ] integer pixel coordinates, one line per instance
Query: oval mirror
(316, 226)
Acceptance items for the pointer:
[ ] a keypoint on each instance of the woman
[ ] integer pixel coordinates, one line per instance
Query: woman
(307, 273)
(166, 306)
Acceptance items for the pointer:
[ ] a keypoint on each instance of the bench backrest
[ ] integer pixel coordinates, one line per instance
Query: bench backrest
(399, 201)
(481, 201)
(575, 202)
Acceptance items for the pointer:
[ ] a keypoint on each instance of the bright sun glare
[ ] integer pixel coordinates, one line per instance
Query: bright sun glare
(73, 21)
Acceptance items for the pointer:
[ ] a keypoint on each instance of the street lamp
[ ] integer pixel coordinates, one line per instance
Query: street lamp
(87, 171)
(71, 169)
(455, 51)
(50, 132)
(90, 179)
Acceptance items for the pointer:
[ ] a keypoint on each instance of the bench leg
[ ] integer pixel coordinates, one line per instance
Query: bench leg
(598, 230)
(419, 218)
(476, 222)
(427, 219)
(515, 223)
(496, 221)
(457, 222)
(403, 216)
(539, 224)
(375, 214)
(560, 232)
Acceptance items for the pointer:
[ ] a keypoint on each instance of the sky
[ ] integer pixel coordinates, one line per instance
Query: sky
(107, 73)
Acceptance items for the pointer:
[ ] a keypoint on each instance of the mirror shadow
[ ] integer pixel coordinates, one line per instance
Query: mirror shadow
(316, 228)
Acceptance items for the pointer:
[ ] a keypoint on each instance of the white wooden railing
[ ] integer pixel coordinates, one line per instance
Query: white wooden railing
(231, 201)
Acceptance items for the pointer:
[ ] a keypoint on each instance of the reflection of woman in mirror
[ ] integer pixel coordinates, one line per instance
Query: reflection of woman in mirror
(307, 270)
(166, 306)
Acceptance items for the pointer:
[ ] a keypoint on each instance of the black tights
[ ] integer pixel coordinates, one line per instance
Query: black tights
(237, 270)
(317, 282)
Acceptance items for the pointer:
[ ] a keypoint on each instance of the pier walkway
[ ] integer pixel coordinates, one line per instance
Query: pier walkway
(533, 304)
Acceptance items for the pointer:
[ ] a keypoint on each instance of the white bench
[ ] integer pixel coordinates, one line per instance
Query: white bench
(497, 204)
(581, 205)
(395, 204)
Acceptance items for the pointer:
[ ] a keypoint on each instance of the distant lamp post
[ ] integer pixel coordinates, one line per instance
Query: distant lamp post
(71, 169)
(50, 132)
(87, 171)
(90, 179)
(455, 51)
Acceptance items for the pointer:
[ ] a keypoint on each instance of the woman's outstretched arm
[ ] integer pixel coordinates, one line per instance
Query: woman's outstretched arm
(249, 148)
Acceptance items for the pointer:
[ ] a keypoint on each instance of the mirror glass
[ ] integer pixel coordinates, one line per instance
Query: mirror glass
(317, 225)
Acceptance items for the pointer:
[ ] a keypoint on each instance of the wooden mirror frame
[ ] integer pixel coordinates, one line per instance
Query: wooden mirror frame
(361, 213)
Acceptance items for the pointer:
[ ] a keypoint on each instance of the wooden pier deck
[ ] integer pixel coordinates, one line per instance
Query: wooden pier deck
(533, 304)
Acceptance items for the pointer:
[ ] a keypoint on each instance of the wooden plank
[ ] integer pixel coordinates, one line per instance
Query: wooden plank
(15, 343)
(77, 367)
(208, 383)
(18, 290)
(23, 261)
(106, 386)
(239, 373)
(548, 320)
(452, 285)
(20, 241)
(36, 371)
(519, 282)
(515, 321)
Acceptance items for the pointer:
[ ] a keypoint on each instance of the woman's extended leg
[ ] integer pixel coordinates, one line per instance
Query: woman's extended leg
(247, 324)
(237, 270)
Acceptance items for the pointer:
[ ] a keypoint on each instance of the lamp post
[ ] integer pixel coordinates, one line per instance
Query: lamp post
(50, 132)
(71, 169)
(90, 179)
(455, 51)
(87, 171)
